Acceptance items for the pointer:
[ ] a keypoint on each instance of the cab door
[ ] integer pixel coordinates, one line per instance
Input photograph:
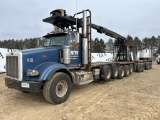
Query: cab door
(75, 51)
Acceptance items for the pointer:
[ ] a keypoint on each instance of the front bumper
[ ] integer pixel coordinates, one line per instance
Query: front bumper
(27, 86)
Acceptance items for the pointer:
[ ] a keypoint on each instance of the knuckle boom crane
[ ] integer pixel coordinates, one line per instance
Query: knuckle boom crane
(65, 59)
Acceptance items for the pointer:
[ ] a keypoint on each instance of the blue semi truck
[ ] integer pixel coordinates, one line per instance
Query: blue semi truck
(65, 59)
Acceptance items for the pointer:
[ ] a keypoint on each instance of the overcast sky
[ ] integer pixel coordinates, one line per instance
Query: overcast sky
(140, 18)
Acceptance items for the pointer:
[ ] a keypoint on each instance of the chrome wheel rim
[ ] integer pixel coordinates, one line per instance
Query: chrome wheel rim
(116, 72)
(127, 71)
(122, 74)
(61, 88)
(108, 74)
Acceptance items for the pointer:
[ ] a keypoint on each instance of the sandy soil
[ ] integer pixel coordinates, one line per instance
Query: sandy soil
(134, 97)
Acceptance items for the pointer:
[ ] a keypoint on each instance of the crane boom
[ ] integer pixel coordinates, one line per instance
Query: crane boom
(62, 21)
(108, 32)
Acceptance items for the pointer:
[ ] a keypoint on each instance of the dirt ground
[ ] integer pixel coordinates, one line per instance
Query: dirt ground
(135, 97)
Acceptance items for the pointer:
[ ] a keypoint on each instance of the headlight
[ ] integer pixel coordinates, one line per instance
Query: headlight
(32, 73)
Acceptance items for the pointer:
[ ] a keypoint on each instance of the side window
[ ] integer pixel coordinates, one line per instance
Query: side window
(52, 42)
(46, 42)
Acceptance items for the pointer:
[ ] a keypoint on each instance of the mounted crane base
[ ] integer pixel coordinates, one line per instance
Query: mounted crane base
(63, 22)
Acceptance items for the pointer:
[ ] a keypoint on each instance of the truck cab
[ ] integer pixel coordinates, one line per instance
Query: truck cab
(53, 68)
(70, 47)
(28, 69)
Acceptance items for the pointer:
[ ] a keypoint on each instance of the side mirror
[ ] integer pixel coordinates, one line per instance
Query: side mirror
(77, 38)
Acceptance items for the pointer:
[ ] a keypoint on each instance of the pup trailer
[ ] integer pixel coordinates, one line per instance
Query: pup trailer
(65, 59)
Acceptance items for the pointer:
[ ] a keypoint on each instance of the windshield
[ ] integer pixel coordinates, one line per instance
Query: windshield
(54, 41)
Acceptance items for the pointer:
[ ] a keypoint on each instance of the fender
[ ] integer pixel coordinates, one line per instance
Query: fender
(47, 69)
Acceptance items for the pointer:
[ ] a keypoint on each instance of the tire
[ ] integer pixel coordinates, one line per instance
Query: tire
(146, 66)
(126, 70)
(120, 72)
(105, 73)
(114, 71)
(57, 89)
(139, 67)
(142, 67)
(130, 68)
(150, 65)
(135, 67)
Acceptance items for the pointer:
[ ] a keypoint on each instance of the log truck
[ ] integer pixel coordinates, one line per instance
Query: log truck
(65, 59)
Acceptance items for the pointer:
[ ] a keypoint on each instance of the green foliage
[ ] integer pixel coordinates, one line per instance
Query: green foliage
(130, 41)
(137, 42)
(151, 43)
(19, 44)
(110, 45)
(98, 46)
(158, 44)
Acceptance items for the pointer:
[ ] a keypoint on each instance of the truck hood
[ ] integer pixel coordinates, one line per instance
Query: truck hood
(34, 57)
(40, 50)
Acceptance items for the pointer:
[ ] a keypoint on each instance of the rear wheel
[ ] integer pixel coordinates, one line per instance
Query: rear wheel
(146, 66)
(142, 67)
(58, 88)
(135, 67)
(105, 73)
(139, 67)
(126, 70)
(120, 72)
(114, 71)
(150, 65)
(130, 68)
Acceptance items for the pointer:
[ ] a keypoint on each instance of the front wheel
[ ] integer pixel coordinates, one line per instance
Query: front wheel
(58, 88)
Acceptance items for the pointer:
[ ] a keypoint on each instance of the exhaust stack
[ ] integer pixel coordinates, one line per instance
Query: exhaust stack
(85, 40)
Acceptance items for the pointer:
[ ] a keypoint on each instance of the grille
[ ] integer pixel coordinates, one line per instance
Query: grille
(12, 66)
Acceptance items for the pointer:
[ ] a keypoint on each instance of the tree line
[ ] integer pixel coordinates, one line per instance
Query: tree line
(97, 46)
(20, 44)
(146, 43)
